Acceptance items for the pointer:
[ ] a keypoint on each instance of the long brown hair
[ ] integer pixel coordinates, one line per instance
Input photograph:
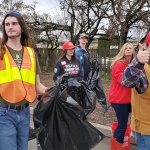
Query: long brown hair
(63, 54)
(1, 49)
(25, 40)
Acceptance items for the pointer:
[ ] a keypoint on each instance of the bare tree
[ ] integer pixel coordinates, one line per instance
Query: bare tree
(115, 17)
(42, 28)
(85, 16)
(124, 15)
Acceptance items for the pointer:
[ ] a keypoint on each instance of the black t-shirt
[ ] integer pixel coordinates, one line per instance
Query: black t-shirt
(65, 66)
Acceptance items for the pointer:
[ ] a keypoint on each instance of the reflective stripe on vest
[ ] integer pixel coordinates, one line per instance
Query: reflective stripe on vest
(22, 80)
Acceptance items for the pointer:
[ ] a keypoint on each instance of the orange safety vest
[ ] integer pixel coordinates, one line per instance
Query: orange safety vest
(18, 84)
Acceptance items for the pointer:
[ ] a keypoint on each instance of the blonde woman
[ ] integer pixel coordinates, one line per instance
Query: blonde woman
(120, 96)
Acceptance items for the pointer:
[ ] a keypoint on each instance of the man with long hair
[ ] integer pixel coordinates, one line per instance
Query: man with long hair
(19, 81)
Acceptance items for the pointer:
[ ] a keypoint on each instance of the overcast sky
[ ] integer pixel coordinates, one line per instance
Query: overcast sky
(51, 6)
(47, 4)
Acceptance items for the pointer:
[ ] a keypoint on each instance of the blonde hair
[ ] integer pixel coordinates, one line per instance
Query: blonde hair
(120, 55)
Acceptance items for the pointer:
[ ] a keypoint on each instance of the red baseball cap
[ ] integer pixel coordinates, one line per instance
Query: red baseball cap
(68, 45)
(147, 39)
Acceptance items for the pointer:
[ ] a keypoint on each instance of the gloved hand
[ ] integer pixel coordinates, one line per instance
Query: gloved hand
(39, 97)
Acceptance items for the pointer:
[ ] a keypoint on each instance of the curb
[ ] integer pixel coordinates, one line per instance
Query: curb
(106, 130)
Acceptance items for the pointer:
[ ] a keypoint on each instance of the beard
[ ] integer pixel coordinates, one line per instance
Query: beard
(14, 35)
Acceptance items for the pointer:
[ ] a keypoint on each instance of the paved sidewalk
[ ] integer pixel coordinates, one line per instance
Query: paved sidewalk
(103, 145)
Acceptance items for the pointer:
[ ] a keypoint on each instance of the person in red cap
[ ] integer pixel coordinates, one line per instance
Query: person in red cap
(147, 40)
(68, 63)
(137, 77)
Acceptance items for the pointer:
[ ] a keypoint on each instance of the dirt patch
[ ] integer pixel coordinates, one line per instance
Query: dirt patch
(97, 116)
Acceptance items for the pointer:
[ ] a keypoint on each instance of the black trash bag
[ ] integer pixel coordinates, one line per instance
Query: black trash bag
(40, 112)
(64, 126)
(101, 97)
(81, 93)
(88, 100)
(95, 83)
(32, 133)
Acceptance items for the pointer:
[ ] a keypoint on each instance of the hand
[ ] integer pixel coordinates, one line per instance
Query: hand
(39, 97)
(143, 54)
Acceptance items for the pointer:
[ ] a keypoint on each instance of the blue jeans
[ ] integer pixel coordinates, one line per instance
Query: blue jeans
(143, 141)
(122, 112)
(14, 129)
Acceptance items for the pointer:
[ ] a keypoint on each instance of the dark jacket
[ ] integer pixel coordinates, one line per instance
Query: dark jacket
(84, 57)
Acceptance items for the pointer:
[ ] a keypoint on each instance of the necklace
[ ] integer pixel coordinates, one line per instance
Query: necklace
(15, 53)
(17, 56)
